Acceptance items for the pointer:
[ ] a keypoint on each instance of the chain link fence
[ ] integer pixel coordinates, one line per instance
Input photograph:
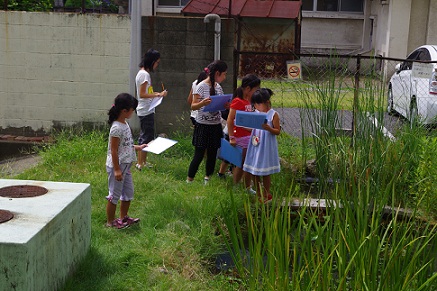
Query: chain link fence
(355, 87)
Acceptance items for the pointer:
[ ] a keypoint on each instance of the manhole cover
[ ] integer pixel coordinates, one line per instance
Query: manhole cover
(22, 191)
(5, 215)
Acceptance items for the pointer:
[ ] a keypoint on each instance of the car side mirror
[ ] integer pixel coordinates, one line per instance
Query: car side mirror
(398, 68)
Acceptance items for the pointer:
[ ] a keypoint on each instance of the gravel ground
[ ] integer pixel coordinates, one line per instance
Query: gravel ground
(291, 121)
(15, 166)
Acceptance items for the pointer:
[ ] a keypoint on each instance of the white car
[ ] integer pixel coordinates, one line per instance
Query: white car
(412, 92)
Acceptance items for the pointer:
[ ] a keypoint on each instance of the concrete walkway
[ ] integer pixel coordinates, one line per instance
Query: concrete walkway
(15, 166)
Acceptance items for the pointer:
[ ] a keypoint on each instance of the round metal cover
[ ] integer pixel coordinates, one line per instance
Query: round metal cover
(22, 191)
(5, 215)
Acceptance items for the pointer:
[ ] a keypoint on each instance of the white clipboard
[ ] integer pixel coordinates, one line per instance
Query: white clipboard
(159, 144)
(155, 102)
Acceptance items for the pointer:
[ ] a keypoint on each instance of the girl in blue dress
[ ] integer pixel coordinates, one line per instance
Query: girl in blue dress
(262, 158)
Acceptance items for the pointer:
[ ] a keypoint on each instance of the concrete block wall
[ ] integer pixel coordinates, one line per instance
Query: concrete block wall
(60, 69)
(186, 46)
(63, 69)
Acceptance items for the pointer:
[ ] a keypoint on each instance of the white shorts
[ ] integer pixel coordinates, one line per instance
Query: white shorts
(120, 190)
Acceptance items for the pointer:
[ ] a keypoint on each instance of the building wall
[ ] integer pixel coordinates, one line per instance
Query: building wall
(380, 40)
(63, 69)
(418, 24)
(186, 46)
(403, 25)
(60, 69)
(323, 32)
(431, 35)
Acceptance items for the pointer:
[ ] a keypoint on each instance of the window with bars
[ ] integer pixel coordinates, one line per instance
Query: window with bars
(333, 5)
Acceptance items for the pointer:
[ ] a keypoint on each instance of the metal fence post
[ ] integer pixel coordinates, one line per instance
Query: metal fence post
(356, 93)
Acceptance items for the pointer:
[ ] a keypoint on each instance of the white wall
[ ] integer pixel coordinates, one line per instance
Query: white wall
(60, 68)
(322, 32)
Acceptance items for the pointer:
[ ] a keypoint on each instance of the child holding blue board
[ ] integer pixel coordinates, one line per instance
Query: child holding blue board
(208, 128)
(262, 158)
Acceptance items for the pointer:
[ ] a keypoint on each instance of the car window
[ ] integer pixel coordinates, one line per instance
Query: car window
(406, 65)
(424, 55)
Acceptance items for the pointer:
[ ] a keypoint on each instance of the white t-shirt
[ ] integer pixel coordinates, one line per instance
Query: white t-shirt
(193, 90)
(126, 151)
(208, 117)
(143, 108)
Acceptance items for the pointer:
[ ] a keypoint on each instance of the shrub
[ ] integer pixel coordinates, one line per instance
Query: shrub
(28, 5)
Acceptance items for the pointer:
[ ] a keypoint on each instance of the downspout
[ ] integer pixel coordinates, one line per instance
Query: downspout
(135, 45)
(217, 31)
(135, 51)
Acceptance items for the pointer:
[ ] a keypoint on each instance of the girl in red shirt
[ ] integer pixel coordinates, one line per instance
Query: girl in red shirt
(240, 136)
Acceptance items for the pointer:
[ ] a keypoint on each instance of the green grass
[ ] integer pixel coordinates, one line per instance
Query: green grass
(185, 226)
(177, 240)
(288, 93)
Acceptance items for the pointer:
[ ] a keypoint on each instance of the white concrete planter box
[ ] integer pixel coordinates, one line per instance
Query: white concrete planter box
(47, 237)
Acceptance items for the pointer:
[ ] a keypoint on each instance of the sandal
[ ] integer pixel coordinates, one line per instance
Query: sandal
(265, 199)
(129, 220)
(117, 223)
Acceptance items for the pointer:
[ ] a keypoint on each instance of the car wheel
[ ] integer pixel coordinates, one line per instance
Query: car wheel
(413, 114)
(390, 100)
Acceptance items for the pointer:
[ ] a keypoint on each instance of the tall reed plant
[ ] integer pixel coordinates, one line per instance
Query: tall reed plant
(363, 239)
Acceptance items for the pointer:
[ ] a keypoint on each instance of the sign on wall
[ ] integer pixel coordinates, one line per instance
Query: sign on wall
(294, 70)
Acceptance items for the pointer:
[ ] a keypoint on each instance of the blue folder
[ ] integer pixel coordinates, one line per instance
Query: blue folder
(250, 119)
(218, 103)
(232, 154)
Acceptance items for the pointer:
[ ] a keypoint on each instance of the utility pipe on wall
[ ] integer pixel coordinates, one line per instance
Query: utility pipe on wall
(135, 51)
(217, 31)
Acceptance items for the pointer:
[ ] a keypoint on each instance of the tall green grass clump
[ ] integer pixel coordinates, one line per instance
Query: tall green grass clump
(364, 239)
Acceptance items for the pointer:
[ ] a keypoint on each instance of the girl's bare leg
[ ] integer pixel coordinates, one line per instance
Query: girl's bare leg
(237, 173)
(223, 167)
(266, 183)
(110, 212)
(258, 185)
(124, 208)
(142, 157)
(247, 179)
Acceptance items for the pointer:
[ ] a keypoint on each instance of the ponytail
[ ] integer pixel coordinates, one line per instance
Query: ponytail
(216, 66)
(251, 81)
(122, 101)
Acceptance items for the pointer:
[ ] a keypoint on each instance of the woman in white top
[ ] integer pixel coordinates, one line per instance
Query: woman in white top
(145, 94)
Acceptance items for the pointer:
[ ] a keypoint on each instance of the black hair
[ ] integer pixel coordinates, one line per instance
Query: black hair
(261, 96)
(122, 101)
(202, 76)
(149, 59)
(216, 66)
(251, 81)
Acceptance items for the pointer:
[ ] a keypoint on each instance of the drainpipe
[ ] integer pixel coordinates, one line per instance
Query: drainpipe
(135, 51)
(217, 30)
(135, 45)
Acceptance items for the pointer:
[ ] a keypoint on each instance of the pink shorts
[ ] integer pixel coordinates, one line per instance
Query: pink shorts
(243, 141)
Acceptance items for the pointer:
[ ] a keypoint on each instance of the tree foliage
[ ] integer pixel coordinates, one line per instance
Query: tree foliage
(27, 5)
